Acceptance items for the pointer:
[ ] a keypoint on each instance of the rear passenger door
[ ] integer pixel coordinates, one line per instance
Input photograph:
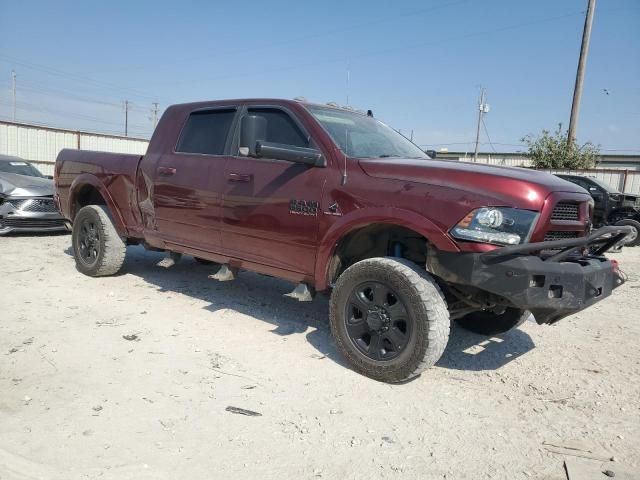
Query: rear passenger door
(263, 218)
(189, 181)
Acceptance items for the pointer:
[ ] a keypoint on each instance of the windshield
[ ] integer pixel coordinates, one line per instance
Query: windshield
(19, 167)
(365, 137)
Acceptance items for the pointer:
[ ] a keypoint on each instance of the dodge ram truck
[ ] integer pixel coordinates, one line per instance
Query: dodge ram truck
(336, 201)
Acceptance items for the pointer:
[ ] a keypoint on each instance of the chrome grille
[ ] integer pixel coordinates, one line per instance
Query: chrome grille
(559, 235)
(566, 211)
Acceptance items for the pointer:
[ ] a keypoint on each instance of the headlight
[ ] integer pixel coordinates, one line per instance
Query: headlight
(502, 226)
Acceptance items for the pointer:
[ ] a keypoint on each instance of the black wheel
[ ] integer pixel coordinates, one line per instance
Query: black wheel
(632, 240)
(489, 323)
(203, 261)
(97, 247)
(389, 319)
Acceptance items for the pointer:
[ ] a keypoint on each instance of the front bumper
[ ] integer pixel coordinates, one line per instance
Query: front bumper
(18, 220)
(552, 287)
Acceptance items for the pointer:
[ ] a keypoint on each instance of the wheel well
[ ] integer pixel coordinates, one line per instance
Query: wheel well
(377, 240)
(87, 195)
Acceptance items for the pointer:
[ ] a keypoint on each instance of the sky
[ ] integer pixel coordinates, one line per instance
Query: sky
(418, 64)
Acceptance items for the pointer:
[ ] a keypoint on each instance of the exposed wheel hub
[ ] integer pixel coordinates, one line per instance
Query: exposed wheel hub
(378, 319)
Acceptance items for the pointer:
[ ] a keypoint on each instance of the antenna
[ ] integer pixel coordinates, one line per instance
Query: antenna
(346, 149)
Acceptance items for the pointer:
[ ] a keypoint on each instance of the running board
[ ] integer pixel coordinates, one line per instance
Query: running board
(225, 274)
(170, 260)
(302, 293)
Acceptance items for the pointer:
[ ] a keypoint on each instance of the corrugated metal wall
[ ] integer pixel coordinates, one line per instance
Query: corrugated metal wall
(622, 180)
(41, 145)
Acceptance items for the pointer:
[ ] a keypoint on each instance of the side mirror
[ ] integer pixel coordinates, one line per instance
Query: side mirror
(431, 153)
(252, 129)
(290, 153)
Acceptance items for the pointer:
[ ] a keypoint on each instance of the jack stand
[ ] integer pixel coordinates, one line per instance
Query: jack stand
(225, 274)
(302, 293)
(170, 260)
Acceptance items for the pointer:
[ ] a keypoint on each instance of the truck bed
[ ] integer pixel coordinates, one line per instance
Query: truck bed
(116, 173)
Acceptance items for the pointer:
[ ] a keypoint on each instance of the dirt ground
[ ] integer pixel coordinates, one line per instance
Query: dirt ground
(77, 400)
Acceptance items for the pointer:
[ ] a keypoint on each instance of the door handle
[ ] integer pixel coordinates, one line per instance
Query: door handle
(166, 171)
(240, 177)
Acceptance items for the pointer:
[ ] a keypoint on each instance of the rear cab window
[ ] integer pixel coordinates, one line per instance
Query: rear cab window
(206, 132)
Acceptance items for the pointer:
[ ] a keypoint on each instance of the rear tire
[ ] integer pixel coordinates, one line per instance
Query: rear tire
(489, 323)
(97, 247)
(635, 240)
(389, 319)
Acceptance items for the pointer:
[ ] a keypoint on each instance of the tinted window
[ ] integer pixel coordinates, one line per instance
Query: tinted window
(20, 167)
(280, 127)
(206, 132)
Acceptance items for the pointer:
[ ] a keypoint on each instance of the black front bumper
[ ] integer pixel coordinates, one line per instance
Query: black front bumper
(551, 287)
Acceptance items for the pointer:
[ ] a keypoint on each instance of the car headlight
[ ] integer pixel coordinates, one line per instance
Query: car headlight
(497, 225)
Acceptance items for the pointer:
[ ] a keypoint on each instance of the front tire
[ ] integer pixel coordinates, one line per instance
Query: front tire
(389, 319)
(634, 240)
(97, 247)
(489, 323)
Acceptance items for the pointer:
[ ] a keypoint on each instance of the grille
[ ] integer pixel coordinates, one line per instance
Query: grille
(559, 235)
(40, 205)
(565, 211)
(17, 222)
(18, 202)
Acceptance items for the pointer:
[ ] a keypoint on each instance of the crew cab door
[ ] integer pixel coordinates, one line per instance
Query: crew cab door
(271, 207)
(189, 181)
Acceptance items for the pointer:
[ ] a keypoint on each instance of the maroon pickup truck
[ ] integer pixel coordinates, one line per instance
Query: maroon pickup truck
(335, 201)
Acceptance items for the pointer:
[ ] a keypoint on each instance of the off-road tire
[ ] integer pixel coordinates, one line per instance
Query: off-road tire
(635, 224)
(111, 249)
(424, 303)
(489, 323)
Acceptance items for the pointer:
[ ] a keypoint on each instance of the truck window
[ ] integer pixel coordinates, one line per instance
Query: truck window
(206, 132)
(280, 127)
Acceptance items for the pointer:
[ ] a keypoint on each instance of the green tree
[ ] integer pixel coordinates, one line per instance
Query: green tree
(552, 150)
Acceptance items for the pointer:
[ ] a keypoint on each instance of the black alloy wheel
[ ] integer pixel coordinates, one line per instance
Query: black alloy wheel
(377, 322)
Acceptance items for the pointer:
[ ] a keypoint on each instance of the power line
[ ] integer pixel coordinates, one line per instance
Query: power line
(487, 134)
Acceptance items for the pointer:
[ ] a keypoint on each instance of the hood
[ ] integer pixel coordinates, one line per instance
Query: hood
(14, 185)
(506, 186)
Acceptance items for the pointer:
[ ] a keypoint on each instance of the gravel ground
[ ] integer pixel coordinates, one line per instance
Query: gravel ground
(77, 400)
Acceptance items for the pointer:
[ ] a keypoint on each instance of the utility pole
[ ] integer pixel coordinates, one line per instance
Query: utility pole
(481, 111)
(13, 85)
(155, 114)
(582, 64)
(126, 118)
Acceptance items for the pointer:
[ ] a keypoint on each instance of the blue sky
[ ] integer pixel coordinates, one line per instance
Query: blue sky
(417, 64)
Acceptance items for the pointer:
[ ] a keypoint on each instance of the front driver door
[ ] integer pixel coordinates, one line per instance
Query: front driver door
(271, 207)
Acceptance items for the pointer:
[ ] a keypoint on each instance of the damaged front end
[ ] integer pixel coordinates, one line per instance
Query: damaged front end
(551, 279)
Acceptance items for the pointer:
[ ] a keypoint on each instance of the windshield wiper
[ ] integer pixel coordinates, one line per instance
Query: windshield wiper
(387, 155)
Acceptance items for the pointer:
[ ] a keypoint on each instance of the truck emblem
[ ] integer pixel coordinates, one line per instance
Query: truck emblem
(303, 207)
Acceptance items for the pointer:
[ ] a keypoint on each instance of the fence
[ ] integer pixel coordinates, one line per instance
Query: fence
(622, 180)
(41, 145)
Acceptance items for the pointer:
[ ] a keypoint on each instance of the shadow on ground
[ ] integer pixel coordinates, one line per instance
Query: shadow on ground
(261, 297)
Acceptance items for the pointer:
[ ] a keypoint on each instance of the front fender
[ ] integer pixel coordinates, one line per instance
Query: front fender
(366, 216)
(85, 179)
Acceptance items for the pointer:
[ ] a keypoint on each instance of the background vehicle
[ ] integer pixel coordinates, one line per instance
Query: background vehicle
(339, 202)
(611, 207)
(26, 199)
